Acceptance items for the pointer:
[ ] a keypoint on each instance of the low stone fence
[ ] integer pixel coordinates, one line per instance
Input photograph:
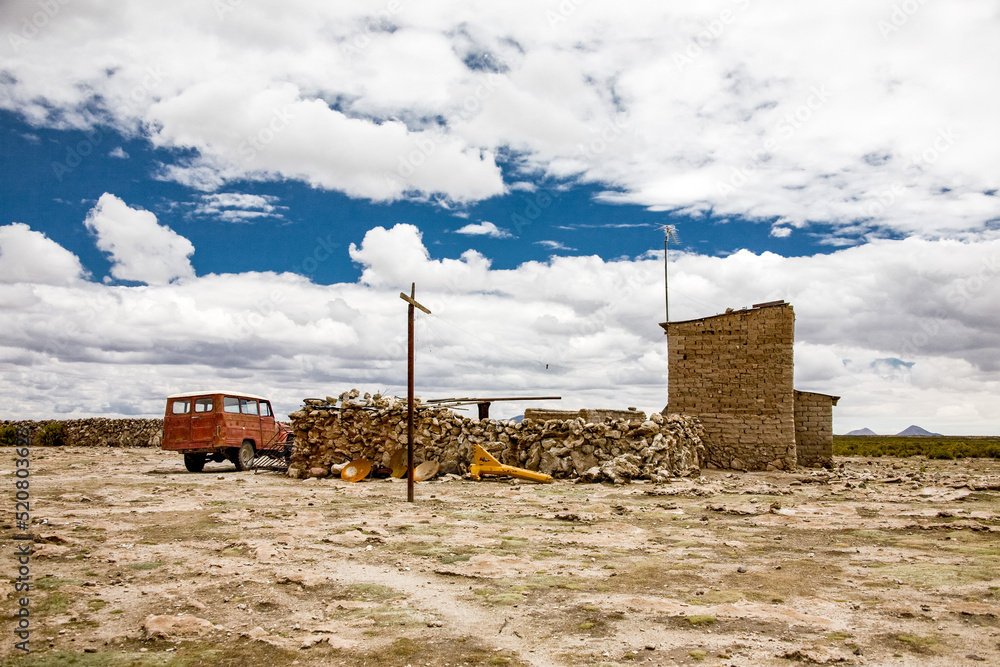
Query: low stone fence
(99, 431)
(334, 431)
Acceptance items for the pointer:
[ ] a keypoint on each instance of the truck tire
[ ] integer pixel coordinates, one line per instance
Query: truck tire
(243, 457)
(194, 462)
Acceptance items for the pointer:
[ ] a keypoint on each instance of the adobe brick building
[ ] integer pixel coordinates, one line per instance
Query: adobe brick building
(814, 428)
(734, 372)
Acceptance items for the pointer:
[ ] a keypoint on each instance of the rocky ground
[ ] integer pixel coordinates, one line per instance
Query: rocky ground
(137, 562)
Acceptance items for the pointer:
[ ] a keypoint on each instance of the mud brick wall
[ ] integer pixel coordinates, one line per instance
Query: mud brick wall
(814, 428)
(734, 373)
(337, 430)
(102, 431)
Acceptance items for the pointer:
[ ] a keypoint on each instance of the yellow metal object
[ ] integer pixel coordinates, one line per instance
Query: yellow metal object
(484, 464)
(356, 470)
(426, 471)
(398, 463)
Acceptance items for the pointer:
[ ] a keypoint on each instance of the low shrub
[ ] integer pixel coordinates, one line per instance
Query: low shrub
(8, 435)
(51, 435)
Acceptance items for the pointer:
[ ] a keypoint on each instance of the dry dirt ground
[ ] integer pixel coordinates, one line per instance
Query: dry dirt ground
(138, 562)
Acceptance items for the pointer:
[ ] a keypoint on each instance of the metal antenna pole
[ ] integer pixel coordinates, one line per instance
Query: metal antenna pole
(666, 292)
(670, 234)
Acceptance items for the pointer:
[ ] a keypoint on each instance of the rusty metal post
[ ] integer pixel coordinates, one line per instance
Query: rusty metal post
(409, 395)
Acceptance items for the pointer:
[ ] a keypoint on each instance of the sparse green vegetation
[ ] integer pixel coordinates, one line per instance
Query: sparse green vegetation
(147, 565)
(716, 597)
(8, 435)
(936, 575)
(505, 599)
(52, 604)
(700, 620)
(916, 643)
(49, 583)
(933, 447)
(51, 435)
(405, 647)
(370, 593)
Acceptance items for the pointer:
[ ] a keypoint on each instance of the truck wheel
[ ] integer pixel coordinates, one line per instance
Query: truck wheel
(244, 456)
(194, 462)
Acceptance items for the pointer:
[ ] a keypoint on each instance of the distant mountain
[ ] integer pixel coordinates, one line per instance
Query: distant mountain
(915, 430)
(862, 431)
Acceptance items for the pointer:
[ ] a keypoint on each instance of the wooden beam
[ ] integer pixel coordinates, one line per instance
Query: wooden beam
(491, 400)
(410, 300)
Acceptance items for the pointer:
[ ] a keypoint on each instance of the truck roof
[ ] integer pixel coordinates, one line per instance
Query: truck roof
(214, 392)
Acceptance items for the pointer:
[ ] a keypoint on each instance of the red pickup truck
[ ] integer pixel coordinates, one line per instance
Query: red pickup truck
(218, 425)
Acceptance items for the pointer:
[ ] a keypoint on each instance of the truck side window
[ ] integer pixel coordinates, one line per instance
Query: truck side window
(180, 406)
(231, 404)
(248, 406)
(202, 405)
(265, 409)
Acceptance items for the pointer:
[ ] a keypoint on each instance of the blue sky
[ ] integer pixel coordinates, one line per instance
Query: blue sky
(48, 189)
(206, 194)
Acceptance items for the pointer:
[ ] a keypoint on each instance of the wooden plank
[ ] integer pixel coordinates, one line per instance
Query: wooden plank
(491, 400)
(413, 302)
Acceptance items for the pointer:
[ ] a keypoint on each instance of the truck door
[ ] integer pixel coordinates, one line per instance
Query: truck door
(177, 423)
(234, 427)
(250, 414)
(203, 421)
(267, 425)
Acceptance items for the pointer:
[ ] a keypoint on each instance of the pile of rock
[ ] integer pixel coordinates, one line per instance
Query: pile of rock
(101, 432)
(332, 431)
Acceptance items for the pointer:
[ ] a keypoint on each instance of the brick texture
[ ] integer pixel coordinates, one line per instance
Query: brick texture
(814, 428)
(734, 372)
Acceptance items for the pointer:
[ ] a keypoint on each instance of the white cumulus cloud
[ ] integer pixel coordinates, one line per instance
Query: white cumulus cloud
(694, 107)
(897, 341)
(484, 228)
(141, 249)
(27, 256)
(238, 207)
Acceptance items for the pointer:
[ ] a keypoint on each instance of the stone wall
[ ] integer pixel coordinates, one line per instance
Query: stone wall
(102, 432)
(335, 431)
(734, 373)
(814, 428)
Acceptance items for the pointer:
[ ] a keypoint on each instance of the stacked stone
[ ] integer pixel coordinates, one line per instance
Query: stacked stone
(734, 372)
(102, 432)
(333, 431)
(587, 414)
(814, 428)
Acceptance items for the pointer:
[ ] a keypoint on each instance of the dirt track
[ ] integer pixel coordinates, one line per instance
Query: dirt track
(883, 562)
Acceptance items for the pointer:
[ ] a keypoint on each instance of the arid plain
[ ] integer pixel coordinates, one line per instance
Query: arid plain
(875, 562)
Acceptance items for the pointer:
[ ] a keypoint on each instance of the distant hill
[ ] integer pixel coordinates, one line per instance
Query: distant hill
(915, 430)
(862, 431)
